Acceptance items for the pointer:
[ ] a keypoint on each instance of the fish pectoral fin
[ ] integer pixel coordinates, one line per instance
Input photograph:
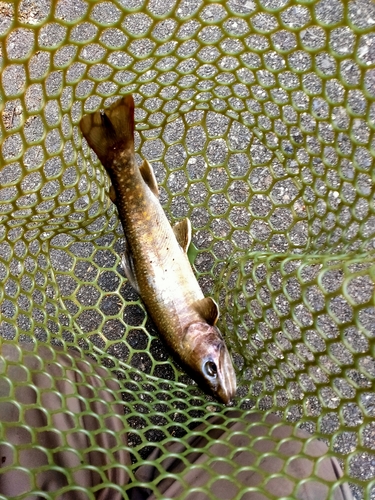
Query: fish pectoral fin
(207, 309)
(182, 231)
(128, 266)
(149, 177)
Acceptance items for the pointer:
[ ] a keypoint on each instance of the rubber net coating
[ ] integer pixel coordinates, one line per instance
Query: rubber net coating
(258, 119)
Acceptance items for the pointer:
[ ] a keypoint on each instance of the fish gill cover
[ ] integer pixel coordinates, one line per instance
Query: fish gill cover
(258, 118)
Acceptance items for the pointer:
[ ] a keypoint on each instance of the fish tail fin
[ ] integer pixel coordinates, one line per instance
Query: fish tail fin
(112, 131)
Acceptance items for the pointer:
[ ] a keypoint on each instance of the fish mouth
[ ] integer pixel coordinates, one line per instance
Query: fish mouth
(204, 345)
(227, 386)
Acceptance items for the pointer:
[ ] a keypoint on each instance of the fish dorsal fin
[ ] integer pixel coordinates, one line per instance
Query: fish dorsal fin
(207, 309)
(128, 266)
(112, 194)
(149, 177)
(182, 231)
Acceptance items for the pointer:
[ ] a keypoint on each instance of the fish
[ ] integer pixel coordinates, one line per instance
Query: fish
(155, 259)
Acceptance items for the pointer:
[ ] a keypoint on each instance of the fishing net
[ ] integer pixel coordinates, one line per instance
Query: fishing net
(258, 118)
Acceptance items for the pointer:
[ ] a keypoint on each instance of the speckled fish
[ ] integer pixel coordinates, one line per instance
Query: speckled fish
(155, 259)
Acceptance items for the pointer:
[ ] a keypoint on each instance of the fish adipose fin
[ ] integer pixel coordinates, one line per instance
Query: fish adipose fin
(182, 231)
(149, 177)
(207, 309)
(112, 130)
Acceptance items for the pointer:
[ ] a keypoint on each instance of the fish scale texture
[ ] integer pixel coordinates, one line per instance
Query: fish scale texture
(258, 118)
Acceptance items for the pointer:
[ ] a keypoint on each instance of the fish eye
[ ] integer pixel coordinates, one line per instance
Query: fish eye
(210, 369)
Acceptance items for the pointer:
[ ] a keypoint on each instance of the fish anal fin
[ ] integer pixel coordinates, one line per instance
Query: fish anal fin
(149, 177)
(182, 231)
(207, 309)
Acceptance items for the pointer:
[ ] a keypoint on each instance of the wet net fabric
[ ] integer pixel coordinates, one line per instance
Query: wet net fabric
(258, 118)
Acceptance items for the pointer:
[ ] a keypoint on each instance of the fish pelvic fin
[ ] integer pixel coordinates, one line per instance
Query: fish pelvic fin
(110, 131)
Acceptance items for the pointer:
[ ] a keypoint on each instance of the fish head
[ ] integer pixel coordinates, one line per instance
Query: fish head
(209, 361)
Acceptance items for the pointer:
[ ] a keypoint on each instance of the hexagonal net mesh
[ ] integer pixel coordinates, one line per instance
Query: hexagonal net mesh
(258, 119)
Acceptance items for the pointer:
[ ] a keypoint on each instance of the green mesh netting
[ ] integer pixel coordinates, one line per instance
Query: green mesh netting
(258, 118)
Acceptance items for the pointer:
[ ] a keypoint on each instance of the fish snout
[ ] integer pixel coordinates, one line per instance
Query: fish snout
(227, 383)
(207, 358)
